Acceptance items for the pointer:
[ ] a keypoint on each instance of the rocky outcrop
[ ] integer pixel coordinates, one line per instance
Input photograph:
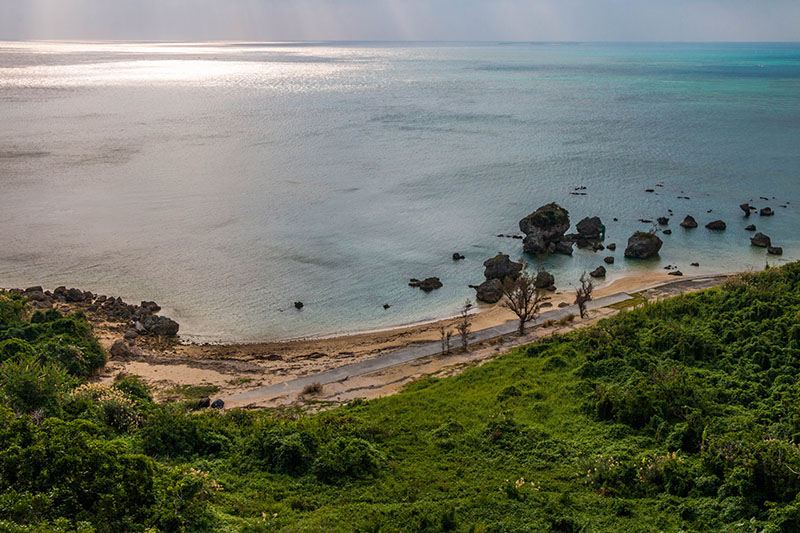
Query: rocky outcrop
(545, 280)
(427, 284)
(663, 221)
(563, 247)
(751, 227)
(746, 208)
(599, 272)
(457, 256)
(643, 245)
(299, 305)
(123, 351)
(675, 273)
(689, 222)
(760, 240)
(609, 260)
(591, 229)
(775, 250)
(716, 225)
(612, 246)
(501, 267)
(544, 229)
(490, 291)
(766, 212)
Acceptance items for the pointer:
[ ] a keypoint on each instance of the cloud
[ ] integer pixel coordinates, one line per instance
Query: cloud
(520, 20)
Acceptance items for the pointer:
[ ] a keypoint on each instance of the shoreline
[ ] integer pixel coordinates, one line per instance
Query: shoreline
(231, 369)
(478, 309)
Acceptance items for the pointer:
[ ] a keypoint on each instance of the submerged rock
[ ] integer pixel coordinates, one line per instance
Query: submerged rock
(427, 284)
(643, 245)
(751, 227)
(689, 222)
(766, 212)
(775, 250)
(716, 225)
(663, 221)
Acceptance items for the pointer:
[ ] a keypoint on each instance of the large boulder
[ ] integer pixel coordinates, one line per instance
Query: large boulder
(501, 267)
(544, 227)
(544, 280)
(160, 325)
(490, 291)
(599, 272)
(689, 222)
(761, 240)
(591, 229)
(643, 245)
(716, 225)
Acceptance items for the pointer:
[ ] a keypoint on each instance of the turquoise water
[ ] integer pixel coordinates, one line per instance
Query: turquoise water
(227, 181)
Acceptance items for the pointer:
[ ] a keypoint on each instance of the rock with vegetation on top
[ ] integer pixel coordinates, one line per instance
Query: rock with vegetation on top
(689, 222)
(643, 245)
(544, 228)
(761, 240)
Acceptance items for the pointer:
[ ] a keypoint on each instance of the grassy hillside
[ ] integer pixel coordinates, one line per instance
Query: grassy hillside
(683, 415)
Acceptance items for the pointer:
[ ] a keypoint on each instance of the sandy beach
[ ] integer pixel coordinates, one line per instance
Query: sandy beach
(187, 370)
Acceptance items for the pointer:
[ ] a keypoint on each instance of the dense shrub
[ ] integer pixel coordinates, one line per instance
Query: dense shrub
(348, 458)
(172, 432)
(282, 449)
(29, 386)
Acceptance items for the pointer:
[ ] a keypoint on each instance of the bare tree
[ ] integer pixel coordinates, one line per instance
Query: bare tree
(446, 335)
(463, 324)
(523, 298)
(583, 294)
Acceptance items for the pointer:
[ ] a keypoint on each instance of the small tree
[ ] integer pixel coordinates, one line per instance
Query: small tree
(523, 298)
(463, 324)
(446, 335)
(583, 294)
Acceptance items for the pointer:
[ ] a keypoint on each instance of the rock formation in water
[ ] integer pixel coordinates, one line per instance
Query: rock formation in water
(643, 245)
(544, 230)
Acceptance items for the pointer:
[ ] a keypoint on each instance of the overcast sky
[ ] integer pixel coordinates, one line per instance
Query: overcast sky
(511, 20)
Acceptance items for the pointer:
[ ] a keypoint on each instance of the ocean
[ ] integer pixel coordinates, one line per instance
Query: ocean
(227, 180)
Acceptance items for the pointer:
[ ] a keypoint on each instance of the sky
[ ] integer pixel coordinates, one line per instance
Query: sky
(402, 20)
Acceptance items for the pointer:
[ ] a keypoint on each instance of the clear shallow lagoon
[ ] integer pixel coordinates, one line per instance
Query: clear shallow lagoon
(226, 181)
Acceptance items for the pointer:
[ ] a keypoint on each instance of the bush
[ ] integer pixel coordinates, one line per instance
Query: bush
(172, 432)
(283, 450)
(348, 457)
(29, 386)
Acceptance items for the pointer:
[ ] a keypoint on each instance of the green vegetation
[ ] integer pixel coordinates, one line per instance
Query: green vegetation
(549, 215)
(681, 415)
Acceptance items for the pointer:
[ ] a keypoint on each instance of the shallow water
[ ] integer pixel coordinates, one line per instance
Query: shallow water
(227, 181)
